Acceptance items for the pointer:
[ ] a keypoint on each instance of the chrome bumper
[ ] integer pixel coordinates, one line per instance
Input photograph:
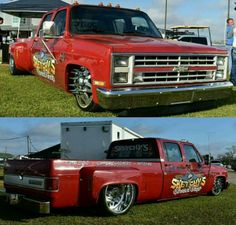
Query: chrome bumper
(29, 204)
(129, 98)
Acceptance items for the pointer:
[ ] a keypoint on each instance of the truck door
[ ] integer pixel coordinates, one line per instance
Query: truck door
(174, 169)
(40, 56)
(197, 170)
(48, 57)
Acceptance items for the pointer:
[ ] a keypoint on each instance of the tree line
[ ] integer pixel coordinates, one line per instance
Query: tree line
(229, 157)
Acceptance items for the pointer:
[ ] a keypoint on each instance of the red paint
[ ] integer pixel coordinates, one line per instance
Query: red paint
(80, 182)
(94, 51)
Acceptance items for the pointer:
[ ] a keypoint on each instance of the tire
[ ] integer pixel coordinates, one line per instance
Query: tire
(217, 187)
(117, 199)
(12, 66)
(80, 84)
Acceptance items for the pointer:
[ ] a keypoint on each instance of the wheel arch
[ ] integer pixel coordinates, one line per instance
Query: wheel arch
(102, 187)
(75, 65)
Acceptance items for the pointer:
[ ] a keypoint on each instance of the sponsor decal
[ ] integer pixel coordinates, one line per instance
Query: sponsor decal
(188, 183)
(44, 65)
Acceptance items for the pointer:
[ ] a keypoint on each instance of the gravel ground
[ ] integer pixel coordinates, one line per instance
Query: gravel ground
(232, 177)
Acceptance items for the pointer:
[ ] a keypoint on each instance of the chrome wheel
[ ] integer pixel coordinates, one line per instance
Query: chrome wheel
(81, 87)
(118, 198)
(218, 186)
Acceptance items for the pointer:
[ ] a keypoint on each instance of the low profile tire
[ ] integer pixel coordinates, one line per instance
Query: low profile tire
(218, 187)
(117, 199)
(81, 86)
(12, 66)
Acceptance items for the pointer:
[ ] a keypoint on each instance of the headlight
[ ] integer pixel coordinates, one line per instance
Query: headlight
(121, 61)
(220, 61)
(122, 71)
(120, 78)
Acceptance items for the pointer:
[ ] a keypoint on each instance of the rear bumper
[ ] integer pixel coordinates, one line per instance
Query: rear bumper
(128, 98)
(42, 207)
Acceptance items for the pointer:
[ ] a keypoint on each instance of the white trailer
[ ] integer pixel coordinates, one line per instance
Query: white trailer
(90, 140)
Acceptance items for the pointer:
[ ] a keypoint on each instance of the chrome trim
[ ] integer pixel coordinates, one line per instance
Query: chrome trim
(167, 60)
(24, 182)
(42, 207)
(36, 206)
(126, 98)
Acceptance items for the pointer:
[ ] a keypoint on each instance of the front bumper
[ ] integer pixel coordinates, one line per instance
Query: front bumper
(42, 207)
(129, 98)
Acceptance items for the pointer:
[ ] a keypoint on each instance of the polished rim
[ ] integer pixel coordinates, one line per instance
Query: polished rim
(82, 86)
(119, 197)
(218, 185)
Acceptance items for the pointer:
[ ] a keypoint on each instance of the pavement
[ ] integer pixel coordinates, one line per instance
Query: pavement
(232, 177)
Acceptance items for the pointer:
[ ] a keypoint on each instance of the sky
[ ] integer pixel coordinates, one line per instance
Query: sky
(210, 135)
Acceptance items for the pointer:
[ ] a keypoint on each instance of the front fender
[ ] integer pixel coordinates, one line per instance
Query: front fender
(93, 180)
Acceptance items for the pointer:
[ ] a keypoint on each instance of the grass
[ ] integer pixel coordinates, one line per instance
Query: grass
(198, 210)
(28, 96)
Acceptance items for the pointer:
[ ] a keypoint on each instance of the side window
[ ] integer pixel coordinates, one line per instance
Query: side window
(140, 24)
(119, 25)
(60, 23)
(46, 18)
(191, 154)
(172, 152)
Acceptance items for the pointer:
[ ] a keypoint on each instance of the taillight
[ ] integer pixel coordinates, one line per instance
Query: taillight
(51, 183)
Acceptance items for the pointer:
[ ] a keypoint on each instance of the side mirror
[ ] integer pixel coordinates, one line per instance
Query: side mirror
(207, 159)
(48, 29)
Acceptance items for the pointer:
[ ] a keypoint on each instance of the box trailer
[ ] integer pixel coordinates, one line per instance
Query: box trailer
(90, 140)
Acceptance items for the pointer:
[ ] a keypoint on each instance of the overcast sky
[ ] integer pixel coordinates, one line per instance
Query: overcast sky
(212, 135)
(211, 13)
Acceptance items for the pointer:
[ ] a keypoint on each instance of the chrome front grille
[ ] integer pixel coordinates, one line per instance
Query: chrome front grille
(174, 69)
(183, 60)
(174, 77)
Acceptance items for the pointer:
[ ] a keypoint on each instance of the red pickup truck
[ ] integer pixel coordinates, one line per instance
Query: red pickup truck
(136, 170)
(116, 58)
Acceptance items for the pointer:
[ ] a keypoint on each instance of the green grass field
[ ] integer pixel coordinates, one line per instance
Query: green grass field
(205, 210)
(28, 96)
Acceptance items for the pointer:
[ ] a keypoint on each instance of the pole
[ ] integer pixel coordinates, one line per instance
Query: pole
(18, 30)
(165, 23)
(28, 144)
(228, 13)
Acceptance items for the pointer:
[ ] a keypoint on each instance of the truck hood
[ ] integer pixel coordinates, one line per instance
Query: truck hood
(134, 44)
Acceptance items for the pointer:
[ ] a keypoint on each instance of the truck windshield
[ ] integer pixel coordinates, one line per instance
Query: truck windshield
(108, 20)
(133, 149)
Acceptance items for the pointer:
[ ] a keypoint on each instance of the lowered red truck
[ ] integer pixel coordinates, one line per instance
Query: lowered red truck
(116, 58)
(136, 170)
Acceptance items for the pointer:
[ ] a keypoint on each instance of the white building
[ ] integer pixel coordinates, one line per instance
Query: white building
(90, 140)
(11, 24)
(28, 26)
